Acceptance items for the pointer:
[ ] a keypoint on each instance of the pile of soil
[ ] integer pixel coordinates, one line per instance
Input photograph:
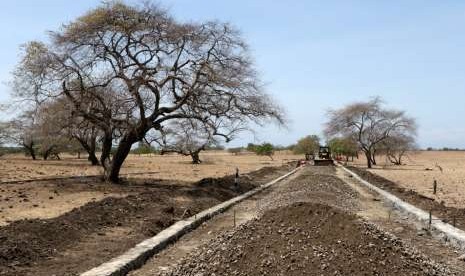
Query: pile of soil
(35, 247)
(438, 209)
(306, 239)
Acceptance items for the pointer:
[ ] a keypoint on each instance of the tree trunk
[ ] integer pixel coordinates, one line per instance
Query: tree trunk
(30, 149)
(48, 152)
(107, 143)
(368, 156)
(93, 158)
(111, 172)
(195, 157)
(373, 157)
(89, 147)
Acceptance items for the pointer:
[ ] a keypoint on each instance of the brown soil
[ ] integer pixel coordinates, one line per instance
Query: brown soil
(307, 239)
(215, 164)
(438, 209)
(91, 234)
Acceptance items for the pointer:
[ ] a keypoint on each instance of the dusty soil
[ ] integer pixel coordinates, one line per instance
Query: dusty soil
(97, 231)
(422, 168)
(438, 209)
(48, 199)
(169, 167)
(306, 225)
(51, 198)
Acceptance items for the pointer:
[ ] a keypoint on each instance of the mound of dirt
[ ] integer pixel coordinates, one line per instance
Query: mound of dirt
(306, 239)
(32, 247)
(438, 209)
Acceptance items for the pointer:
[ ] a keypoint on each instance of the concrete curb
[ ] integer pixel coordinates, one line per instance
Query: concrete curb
(137, 256)
(455, 236)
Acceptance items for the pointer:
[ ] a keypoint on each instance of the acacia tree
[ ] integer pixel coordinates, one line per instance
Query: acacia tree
(190, 137)
(74, 127)
(23, 131)
(307, 145)
(142, 69)
(49, 131)
(396, 147)
(187, 137)
(369, 123)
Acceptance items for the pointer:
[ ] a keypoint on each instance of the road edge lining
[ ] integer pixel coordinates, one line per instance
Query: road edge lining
(451, 234)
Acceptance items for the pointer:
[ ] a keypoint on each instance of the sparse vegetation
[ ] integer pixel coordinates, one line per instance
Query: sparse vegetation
(308, 145)
(265, 149)
(344, 147)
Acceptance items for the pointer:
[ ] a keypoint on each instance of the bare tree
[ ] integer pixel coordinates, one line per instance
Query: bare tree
(74, 127)
(49, 131)
(396, 147)
(369, 123)
(187, 137)
(141, 69)
(22, 131)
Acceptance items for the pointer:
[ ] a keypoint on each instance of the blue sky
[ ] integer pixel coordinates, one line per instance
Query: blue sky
(315, 55)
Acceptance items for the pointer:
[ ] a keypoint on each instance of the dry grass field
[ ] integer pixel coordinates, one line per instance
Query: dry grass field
(167, 167)
(48, 199)
(422, 168)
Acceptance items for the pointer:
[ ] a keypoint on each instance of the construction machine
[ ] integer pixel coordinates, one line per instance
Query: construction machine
(324, 157)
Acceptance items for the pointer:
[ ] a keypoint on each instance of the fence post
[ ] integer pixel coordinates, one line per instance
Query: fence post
(234, 218)
(435, 186)
(430, 219)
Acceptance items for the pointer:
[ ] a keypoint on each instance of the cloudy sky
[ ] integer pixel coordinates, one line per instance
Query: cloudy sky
(314, 55)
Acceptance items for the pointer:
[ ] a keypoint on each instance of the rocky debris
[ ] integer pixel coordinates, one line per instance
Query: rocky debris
(318, 235)
(316, 185)
(306, 239)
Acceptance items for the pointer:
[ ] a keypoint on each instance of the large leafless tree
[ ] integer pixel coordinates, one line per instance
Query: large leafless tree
(189, 137)
(141, 69)
(397, 146)
(370, 123)
(22, 131)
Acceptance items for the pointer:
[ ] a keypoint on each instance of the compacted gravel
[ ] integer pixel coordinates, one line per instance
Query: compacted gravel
(307, 227)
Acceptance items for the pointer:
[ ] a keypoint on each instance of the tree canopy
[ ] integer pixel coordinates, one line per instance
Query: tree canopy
(369, 123)
(128, 70)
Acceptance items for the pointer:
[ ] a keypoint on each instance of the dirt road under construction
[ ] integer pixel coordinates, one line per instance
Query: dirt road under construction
(319, 221)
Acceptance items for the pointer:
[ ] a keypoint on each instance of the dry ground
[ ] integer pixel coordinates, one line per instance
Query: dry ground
(49, 199)
(167, 167)
(422, 168)
(84, 237)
